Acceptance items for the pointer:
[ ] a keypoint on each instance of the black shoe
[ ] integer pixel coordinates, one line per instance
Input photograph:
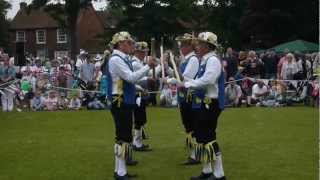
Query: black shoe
(131, 162)
(204, 176)
(221, 178)
(144, 148)
(125, 177)
(191, 161)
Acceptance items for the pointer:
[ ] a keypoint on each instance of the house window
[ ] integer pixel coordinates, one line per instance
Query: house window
(41, 53)
(21, 36)
(60, 54)
(41, 36)
(61, 36)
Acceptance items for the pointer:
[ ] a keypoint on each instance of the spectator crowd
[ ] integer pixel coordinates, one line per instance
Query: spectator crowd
(253, 79)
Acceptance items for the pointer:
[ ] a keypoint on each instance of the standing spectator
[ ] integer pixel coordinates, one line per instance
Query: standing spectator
(253, 65)
(47, 67)
(304, 67)
(62, 78)
(232, 63)
(80, 60)
(67, 70)
(282, 60)
(316, 63)
(233, 93)
(87, 71)
(270, 61)
(7, 74)
(289, 67)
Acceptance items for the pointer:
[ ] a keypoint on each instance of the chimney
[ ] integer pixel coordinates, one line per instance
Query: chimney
(23, 5)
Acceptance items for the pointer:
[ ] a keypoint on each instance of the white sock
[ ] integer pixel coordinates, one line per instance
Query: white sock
(137, 139)
(218, 168)
(206, 168)
(122, 168)
(193, 154)
(116, 164)
(117, 149)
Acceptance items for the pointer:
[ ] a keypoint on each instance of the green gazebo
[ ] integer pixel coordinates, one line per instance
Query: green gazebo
(297, 45)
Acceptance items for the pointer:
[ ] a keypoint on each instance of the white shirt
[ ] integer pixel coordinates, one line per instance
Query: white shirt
(257, 90)
(119, 70)
(209, 80)
(79, 62)
(192, 67)
(138, 64)
(158, 71)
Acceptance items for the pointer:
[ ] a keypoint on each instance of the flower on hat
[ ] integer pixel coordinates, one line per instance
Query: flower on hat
(208, 37)
(185, 37)
(121, 36)
(142, 46)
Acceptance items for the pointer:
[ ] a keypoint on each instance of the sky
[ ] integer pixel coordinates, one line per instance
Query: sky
(15, 6)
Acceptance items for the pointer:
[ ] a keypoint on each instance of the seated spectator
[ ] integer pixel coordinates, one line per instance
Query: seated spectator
(275, 97)
(75, 103)
(51, 103)
(246, 85)
(173, 89)
(166, 96)
(259, 92)
(27, 99)
(63, 101)
(315, 93)
(96, 104)
(37, 102)
(233, 93)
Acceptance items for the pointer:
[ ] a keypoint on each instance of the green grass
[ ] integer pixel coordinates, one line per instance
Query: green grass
(257, 144)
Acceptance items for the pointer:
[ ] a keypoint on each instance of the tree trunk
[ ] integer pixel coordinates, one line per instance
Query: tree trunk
(73, 34)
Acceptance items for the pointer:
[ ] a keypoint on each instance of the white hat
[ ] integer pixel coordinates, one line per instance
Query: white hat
(141, 46)
(185, 37)
(121, 36)
(83, 52)
(98, 57)
(208, 37)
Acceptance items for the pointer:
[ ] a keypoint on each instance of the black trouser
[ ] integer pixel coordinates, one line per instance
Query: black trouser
(122, 116)
(187, 116)
(206, 122)
(140, 115)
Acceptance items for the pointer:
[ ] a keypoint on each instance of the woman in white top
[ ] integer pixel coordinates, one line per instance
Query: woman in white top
(289, 67)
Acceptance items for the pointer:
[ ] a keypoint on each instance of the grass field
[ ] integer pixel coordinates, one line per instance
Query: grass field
(257, 144)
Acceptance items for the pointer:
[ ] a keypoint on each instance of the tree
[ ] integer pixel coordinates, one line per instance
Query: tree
(269, 22)
(153, 18)
(169, 18)
(4, 24)
(66, 12)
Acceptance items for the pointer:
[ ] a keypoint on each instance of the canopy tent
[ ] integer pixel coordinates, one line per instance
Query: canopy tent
(297, 45)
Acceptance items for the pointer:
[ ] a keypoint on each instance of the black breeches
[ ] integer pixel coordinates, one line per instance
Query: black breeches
(206, 119)
(187, 116)
(122, 117)
(140, 115)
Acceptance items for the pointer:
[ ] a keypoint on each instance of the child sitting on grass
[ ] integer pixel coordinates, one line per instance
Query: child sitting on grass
(37, 102)
(51, 103)
(75, 103)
